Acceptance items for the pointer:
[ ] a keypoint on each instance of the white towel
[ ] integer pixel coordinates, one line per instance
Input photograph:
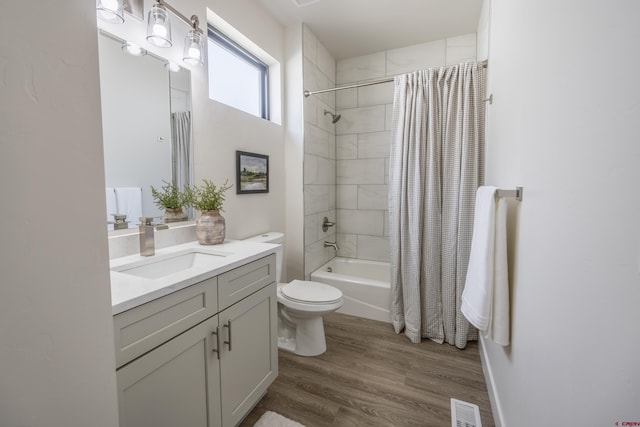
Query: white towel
(129, 201)
(111, 205)
(485, 300)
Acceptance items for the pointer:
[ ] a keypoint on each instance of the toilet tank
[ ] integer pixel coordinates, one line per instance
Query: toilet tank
(274, 237)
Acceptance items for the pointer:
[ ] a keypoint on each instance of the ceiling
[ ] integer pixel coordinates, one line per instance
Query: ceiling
(349, 28)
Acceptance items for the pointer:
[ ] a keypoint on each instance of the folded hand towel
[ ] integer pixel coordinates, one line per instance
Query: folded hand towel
(485, 299)
(130, 203)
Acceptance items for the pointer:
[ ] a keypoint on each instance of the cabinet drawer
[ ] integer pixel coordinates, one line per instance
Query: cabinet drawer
(241, 282)
(145, 327)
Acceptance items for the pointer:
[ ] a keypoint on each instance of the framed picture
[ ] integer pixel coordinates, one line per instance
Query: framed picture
(252, 173)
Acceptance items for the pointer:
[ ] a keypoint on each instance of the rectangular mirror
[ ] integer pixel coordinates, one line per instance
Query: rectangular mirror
(146, 122)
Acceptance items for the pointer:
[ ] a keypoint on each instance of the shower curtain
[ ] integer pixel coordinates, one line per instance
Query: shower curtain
(436, 165)
(181, 148)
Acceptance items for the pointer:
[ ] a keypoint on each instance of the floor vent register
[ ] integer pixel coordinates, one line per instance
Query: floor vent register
(464, 414)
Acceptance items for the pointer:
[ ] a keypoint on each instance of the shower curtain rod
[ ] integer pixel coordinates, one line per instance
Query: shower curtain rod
(308, 93)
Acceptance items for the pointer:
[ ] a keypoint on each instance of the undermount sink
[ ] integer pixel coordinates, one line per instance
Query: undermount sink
(155, 268)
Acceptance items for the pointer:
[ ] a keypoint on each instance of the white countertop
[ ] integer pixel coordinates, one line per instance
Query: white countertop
(129, 291)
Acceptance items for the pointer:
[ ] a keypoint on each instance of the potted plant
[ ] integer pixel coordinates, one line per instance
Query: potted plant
(172, 200)
(208, 199)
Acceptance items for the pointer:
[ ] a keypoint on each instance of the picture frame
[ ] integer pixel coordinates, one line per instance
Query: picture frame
(252, 173)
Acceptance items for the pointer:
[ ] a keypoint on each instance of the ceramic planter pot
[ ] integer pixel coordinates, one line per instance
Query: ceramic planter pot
(173, 215)
(210, 228)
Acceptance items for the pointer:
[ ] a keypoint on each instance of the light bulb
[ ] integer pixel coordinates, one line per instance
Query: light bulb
(110, 11)
(194, 53)
(159, 30)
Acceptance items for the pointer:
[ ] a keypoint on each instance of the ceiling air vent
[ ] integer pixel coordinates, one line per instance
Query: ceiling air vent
(302, 3)
(464, 414)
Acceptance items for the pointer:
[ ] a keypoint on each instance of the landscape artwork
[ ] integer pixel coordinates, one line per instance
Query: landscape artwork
(252, 173)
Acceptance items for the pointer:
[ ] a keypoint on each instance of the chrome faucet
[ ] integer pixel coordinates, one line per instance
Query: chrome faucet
(147, 241)
(119, 222)
(333, 245)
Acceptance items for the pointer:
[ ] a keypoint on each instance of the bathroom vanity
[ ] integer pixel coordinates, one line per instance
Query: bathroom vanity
(195, 332)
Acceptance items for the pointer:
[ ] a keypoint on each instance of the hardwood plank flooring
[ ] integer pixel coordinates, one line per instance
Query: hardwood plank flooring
(372, 377)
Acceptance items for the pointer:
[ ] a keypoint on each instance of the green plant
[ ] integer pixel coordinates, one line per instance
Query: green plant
(169, 196)
(207, 197)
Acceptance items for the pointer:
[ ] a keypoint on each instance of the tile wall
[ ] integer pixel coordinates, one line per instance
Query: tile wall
(363, 138)
(319, 153)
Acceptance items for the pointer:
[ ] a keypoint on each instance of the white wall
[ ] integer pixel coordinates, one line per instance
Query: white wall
(364, 137)
(219, 130)
(564, 126)
(56, 335)
(294, 154)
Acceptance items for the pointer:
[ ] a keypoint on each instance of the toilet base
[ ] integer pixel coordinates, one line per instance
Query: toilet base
(301, 335)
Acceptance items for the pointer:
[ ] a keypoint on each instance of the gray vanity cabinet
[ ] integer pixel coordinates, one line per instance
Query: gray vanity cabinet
(177, 384)
(211, 374)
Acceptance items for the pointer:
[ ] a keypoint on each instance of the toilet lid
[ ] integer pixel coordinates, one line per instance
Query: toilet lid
(311, 292)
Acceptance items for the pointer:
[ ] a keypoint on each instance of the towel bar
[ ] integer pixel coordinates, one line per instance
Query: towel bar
(517, 193)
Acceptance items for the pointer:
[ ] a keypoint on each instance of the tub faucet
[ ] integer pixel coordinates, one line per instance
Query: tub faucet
(147, 241)
(333, 245)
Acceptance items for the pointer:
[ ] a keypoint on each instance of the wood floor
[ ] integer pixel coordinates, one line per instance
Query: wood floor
(372, 377)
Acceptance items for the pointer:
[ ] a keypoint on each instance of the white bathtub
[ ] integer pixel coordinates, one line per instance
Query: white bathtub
(365, 286)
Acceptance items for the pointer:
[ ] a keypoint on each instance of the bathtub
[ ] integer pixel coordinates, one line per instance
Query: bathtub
(365, 286)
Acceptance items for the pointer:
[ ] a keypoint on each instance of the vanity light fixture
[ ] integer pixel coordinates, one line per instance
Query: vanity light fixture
(133, 49)
(110, 10)
(159, 29)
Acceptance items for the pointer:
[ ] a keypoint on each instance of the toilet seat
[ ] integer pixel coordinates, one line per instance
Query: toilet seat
(307, 292)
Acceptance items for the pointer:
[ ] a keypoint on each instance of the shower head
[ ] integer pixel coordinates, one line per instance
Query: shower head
(334, 117)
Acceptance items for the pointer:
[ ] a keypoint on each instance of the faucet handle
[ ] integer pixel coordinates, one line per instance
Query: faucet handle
(146, 220)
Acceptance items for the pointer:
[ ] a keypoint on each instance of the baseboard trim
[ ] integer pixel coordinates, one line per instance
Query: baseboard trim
(496, 409)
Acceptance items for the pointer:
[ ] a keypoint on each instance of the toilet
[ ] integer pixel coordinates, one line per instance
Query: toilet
(301, 305)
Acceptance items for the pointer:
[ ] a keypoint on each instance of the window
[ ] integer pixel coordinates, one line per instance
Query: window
(236, 77)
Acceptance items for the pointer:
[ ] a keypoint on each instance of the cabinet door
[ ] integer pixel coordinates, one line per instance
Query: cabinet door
(176, 384)
(249, 359)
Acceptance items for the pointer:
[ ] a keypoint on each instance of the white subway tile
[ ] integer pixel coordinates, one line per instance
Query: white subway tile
(359, 120)
(346, 98)
(360, 68)
(461, 49)
(316, 199)
(373, 197)
(316, 141)
(374, 145)
(374, 248)
(360, 222)
(347, 196)
(348, 244)
(347, 146)
(326, 63)
(375, 94)
(365, 171)
(311, 228)
(416, 57)
(309, 41)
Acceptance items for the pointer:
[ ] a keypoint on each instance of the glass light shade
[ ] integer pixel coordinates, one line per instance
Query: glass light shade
(159, 26)
(172, 66)
(110, 11)
(133, 49)
(193, 53)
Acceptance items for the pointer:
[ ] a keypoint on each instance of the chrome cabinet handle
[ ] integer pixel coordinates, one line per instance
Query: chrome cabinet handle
(217, 349)
(228, 325)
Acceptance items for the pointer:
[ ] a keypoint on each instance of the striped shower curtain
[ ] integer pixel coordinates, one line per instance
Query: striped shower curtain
(436, 165)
